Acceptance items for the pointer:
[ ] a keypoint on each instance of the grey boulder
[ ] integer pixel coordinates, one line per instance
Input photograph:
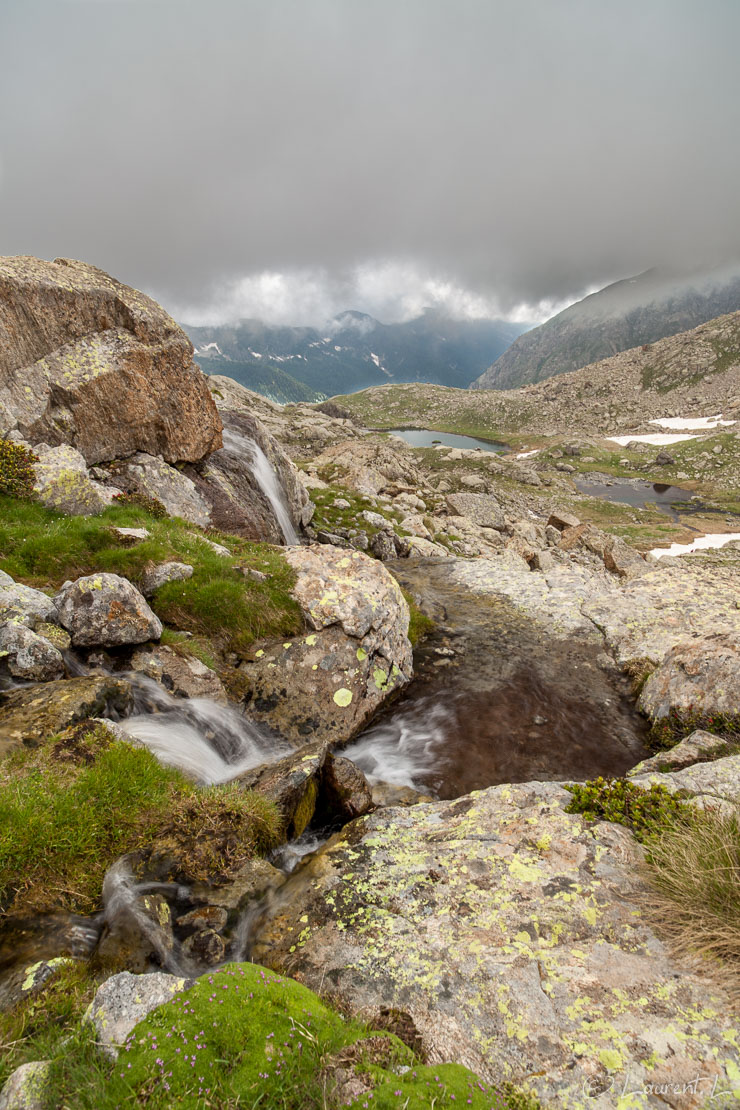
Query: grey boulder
(106, 610)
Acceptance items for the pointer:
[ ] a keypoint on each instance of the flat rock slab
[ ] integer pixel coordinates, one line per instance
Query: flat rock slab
(719, 779)
(124, 1000)
(510, 933)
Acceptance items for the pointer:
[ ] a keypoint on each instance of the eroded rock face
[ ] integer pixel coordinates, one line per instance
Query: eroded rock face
(701, 676)
(29, 715)
(330, 682)
(510, 933)
(90, 362)
(105, 610)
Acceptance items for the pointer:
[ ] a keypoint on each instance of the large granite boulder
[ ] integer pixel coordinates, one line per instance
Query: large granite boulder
(23, 603)
(330, 682)
(90, 362)
(30, 714)
(251, 487)
(27, 655)
(510, 933)
(700, 676)
(479, 508)
(105, 610)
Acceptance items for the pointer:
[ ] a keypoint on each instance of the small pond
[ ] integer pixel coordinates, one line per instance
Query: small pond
(423, 437)
(632, 491)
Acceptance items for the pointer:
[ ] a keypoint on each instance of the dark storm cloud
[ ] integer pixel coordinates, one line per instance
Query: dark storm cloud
(501, 151)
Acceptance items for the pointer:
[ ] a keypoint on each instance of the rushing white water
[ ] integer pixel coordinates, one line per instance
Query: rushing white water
(407, 747)
(266, 478)
(208, 742)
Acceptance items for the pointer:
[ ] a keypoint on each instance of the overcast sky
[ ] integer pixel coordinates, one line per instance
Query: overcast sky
(288, 158)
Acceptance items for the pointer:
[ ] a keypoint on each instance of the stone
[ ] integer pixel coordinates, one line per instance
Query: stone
(138, 931)
(26, 1088)
(663, 458)
(331, 681)
(250, 882)
(552, 535)
(512, 935)
(718, 779)
(700, 677)
(23, 603)
(204, 917)
(293, 784)
(623, 560)
(376, 520)
(180, 674)
(28, 655)
(129, 537)
(420, 548)
(155, 478)
(105, 610)
(391, 794)
(416, 526)
(480, 508)
(30, 714)
(90, 362)
(165, 572)
(63, 482)
(699, 747)
(124, 1000)
(205, 946)
(370, 467)
(345, 792)
(544, 561)
(382, 546)
(570, 538)
(562, 520)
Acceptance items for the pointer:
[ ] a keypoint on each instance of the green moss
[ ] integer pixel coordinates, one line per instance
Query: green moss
(420, 625)
(645, 812)
(69, 808)
(244, 1036)
(17, 476)
(44, 548)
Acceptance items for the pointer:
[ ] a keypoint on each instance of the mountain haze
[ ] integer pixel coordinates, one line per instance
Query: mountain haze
(629, 313)
(354, 351)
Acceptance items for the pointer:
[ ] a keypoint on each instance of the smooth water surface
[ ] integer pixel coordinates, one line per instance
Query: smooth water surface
(637, 493)
(422, 437)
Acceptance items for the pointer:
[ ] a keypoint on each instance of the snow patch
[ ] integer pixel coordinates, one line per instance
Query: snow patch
(527, 454)
(692, 423)
(704, 543)
(658, 439)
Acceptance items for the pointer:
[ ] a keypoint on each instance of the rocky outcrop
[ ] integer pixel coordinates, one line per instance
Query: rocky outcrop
(29, 715)
(330, 682)
(229, 484)
(370, 467)
(510, 934)
(105, 610)
(696, 748)
(90, 362)
(480, 508)
(700, 677)
(63, 482)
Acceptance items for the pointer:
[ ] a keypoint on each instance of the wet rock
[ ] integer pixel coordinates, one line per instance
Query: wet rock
(480, 508)
(345, 792)
(205, 946)
(293, 784)
(90, 362)
(622, 559)
(124, 1000)
(140, 931)
(181, 675)
(390, 794)
(165, 572)
(512, 933)
(63, 482)
(28, 655)
(702, 677)
(26, 1088)
(155, 478)
(204, 917)
(29, 715)
(106, 610)
(252, 879)
(699, 747)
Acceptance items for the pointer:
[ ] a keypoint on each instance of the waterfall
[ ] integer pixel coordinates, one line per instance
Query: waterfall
(208, 742)
(266, 478)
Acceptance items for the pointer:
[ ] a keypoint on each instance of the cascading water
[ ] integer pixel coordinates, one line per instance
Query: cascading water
(266, 478)
(407, 747)
(210, 743)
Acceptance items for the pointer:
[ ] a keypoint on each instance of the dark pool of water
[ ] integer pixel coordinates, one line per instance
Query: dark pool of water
(512, 704)
(638, 493)
(422, 437)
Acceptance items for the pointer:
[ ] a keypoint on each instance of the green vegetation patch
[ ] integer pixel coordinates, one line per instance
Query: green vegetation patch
(71, 807)
(420, 625)
(666, 732)
(647, 813)
(17, 476)
(244, 1036)
(43, 548)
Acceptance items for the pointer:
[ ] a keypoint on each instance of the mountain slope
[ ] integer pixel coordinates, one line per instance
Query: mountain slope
(356, 351)
(626, 314)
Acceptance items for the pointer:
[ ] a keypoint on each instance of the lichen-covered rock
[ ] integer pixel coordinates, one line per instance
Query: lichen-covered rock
(23, 603)
(63, 482)
(30, 714)
(105, 610)
(345, 792)
(27, 1087)
(124, 1000)
(700, 676)
(510, 933)
(28, 655)
(228, 482)
(719, 779)
(184, 676)
(90, 362)
(330, 682)
(165, 572)
(155, 478)
(370, 467)
(480, 508)
(699, 747)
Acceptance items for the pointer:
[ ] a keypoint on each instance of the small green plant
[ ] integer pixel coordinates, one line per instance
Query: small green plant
(645, 812)
(666, 732)
(151, 504)
(17, 476)
(420, 625)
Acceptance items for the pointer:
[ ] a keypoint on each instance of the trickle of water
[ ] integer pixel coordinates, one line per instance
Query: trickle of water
(405, 748)
(210, 743)
(266, 478)
(124, 912)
